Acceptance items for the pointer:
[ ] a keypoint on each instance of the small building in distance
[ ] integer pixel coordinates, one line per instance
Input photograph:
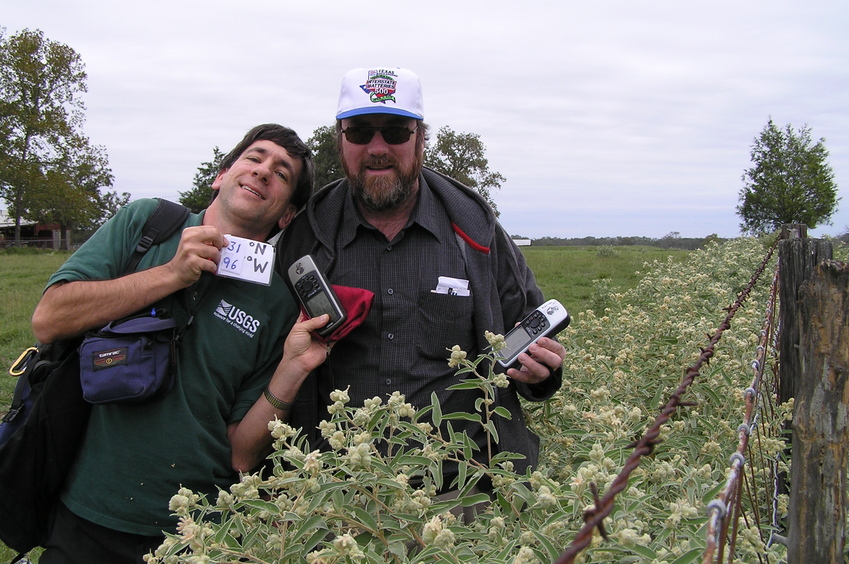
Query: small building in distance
(32, 234)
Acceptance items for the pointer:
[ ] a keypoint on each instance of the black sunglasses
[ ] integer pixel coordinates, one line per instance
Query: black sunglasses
(393, 134)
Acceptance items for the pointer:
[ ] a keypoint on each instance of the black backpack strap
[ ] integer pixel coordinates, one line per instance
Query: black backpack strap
(162, 223)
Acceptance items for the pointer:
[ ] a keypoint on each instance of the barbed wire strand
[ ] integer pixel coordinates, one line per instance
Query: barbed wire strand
(778, 476)
(767, 412)
(594, 518)
(732, 495)
(717, 508)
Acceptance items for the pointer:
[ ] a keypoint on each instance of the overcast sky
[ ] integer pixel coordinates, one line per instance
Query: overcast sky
(606, 117)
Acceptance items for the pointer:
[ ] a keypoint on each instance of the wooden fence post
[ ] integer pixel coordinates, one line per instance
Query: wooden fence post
(816, 531)
(797, 257)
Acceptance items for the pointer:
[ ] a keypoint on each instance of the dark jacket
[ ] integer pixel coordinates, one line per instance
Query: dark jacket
(503, 289)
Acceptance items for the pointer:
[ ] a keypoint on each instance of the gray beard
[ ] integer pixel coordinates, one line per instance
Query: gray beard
(382, 194)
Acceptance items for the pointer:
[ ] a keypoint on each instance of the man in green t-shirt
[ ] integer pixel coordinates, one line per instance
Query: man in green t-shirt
(234, 368)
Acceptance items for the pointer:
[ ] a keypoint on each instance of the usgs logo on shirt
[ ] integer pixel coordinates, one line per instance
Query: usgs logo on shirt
(238, 318)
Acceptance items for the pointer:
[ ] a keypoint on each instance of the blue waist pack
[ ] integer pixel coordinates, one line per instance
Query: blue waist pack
(130, 360)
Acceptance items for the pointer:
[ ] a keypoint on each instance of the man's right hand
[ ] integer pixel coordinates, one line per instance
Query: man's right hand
(199, 250)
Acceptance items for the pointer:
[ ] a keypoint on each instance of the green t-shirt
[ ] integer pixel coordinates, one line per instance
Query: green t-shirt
(135, 458)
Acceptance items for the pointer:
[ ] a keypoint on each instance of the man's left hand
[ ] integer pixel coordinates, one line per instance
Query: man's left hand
(543, 357)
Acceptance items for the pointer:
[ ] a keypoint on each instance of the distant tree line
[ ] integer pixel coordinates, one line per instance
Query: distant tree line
(670, 241)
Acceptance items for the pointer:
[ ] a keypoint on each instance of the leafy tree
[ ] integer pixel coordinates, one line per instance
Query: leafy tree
(328, 167)
(790, 182)
(198, 198)
(109, 204)
(48, 169)
(73, 197)
(461, 156)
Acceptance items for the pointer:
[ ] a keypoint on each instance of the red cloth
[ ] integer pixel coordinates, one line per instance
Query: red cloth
(357, 303)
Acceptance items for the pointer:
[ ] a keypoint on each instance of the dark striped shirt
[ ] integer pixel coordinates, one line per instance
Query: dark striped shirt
(403, 344)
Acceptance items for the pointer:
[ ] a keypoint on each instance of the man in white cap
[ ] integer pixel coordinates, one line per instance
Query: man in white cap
(394, 228)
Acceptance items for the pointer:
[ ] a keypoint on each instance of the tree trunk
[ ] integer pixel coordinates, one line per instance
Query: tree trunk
(64, 237)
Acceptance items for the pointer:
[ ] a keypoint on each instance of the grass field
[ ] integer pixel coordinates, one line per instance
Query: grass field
(570, 274)
(22, 279)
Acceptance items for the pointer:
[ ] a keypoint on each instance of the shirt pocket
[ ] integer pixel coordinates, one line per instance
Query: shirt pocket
(444, 321)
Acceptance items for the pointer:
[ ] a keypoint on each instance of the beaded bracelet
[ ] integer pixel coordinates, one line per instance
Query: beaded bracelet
(277, 402)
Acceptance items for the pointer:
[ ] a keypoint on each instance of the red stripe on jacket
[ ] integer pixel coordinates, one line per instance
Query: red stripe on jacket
(472, 243)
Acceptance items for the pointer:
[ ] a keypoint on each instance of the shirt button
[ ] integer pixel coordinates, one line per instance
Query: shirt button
(388, 381)
(390, 291)
(391, 336)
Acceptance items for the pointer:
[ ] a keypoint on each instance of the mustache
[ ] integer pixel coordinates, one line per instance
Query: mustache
(378, 162)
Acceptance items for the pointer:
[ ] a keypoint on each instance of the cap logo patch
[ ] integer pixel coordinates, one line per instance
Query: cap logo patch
(383, 84)
(380, 86)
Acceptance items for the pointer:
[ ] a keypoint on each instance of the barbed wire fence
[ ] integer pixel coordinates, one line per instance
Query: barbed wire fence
(728, 502)
(757, 396)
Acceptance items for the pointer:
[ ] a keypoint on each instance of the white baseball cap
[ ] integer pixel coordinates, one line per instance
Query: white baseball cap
(380, 90)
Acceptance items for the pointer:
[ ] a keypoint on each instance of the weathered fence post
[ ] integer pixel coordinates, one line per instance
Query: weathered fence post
(816, 531)
(797, 257)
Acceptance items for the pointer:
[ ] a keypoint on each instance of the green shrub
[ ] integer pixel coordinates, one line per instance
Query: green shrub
(606, 251)
(372, 497)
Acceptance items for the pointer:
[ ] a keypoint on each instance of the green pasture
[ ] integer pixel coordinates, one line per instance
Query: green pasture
(22, 279)
(570, 274)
